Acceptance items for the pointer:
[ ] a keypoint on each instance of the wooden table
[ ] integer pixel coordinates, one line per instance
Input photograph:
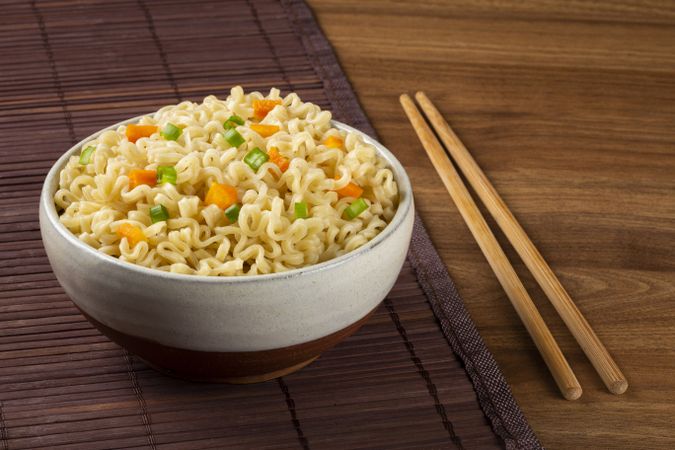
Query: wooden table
(569, 107)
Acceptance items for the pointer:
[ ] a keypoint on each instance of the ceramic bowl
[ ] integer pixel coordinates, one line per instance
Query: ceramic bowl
(239, 329)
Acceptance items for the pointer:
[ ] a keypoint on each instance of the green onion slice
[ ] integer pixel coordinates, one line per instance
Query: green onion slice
(356, 208)
(256, 158)
(234, 138)
(233, 121)
(301, 210)
(166, 174)
(232, 213)
(85, 156)
(171, 132)
(158, 213)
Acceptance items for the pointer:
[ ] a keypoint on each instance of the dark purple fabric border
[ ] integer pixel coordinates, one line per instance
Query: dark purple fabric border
(493, 392)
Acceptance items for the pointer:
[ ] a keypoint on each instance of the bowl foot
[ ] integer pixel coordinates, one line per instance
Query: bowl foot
(249, 379)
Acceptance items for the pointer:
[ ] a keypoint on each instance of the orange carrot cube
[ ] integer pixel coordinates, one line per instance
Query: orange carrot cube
(333, 142)
(133, 234)
(262, 107)
(135, 132)
(351, 190)
(264, 130)
(221, 195)
(277, 159)
(140, 176)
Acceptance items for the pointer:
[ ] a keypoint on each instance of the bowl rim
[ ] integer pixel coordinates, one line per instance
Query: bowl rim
(404, 206)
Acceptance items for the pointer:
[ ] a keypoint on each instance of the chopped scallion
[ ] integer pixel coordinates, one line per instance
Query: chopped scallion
(85, 156)
(158, 213)
(232, 213)
(171, 132)
(166, 174)
(256, 158)
(233, 121)
(357, 207)
(233, 137)
(301, 210)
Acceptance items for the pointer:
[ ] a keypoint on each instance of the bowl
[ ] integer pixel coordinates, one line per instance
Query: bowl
(239, 329)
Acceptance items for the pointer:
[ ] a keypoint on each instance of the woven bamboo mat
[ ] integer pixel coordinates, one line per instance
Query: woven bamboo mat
(416, 376)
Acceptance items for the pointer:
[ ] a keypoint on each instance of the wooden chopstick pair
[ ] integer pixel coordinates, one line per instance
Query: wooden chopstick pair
(535, 325)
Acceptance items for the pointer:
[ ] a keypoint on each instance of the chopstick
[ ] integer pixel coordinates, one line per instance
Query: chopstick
(578, 325)
(521, 301)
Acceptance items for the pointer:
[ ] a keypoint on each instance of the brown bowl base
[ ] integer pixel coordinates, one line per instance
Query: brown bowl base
(236, 380)
(226, 367)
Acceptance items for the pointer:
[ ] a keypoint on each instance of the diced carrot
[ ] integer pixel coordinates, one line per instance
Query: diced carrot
(141, 176)
(333, 142)
(277, 159)
(133, 234)
(351, 190)
(221, 195)
(262, 107)
(135, 131)
(264, 130)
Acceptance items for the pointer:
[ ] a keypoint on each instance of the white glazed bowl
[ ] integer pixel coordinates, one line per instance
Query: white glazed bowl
(233, 329)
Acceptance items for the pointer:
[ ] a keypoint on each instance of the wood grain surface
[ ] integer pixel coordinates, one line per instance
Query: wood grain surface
(569, 107)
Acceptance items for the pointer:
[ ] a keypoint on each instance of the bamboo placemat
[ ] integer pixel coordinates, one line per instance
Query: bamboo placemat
(416, 376)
